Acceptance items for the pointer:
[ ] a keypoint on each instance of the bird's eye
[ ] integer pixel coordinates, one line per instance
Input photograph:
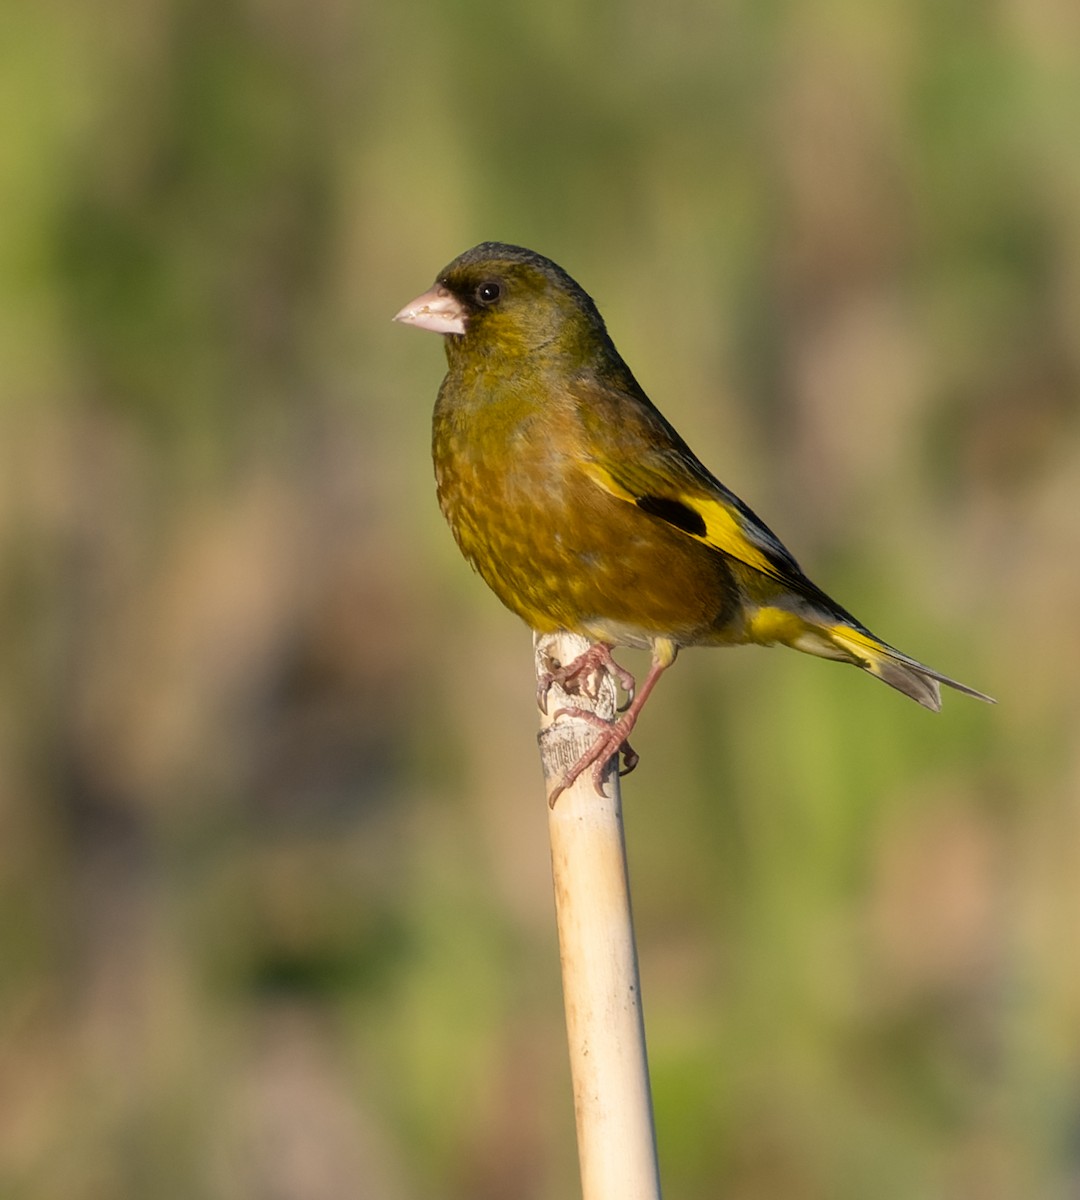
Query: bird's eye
(488, 292)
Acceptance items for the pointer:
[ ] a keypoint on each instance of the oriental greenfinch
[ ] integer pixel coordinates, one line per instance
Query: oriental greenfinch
(584, 510)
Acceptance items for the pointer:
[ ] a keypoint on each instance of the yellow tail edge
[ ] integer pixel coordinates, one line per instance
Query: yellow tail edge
(907, 675)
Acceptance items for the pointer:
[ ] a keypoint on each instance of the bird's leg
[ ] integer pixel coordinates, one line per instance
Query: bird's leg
(613, 734)
(582, 674)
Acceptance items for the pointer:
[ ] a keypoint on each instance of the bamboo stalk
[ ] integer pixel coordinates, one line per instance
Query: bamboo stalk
(601, 988)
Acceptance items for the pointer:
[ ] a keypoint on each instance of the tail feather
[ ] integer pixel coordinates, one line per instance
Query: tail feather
(905, 674)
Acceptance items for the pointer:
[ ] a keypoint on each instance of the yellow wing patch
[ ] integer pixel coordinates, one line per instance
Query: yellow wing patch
(723, 530)
(607, 481)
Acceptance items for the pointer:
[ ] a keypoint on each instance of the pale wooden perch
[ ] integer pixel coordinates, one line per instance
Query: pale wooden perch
(601, 989)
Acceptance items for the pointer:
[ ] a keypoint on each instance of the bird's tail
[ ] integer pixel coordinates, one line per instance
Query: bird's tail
(907, 675)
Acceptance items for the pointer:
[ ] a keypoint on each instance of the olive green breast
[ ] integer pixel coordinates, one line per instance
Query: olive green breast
(509, 448)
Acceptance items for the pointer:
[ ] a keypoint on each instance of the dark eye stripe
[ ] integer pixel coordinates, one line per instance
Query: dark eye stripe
(682, 516)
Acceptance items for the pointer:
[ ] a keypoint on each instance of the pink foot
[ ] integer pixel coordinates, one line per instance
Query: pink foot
(582, 676)
(611, 742)
(612, 739)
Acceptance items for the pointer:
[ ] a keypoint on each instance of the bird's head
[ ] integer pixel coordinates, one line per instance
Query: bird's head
(503, 299)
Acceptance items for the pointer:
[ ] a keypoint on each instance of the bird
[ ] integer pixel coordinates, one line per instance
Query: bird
(584, 510)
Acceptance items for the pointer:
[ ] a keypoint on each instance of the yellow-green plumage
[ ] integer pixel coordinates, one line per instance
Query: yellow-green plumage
(581, 506)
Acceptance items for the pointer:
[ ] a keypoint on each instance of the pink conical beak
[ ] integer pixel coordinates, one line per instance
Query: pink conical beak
(436, 310)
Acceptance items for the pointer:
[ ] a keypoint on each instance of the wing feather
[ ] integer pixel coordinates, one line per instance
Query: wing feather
(652, 463)
(720, 525)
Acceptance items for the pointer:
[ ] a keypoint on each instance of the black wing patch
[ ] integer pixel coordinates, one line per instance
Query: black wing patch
(682, 516)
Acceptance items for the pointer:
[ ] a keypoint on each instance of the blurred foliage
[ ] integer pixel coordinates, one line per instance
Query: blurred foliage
(274, 903)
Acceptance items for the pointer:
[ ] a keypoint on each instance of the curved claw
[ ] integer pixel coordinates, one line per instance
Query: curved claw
(582, 677)
(630, 758)
(626, 681)
(611, 742)
(613, 735)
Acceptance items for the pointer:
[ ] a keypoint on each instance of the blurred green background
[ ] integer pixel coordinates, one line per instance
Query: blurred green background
(275, 915)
